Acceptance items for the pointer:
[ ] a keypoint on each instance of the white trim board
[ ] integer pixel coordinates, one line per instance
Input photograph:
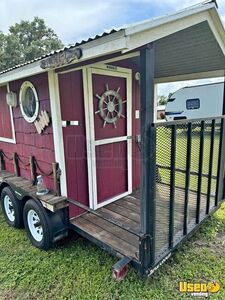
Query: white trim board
(13, 139)
(57, 127)
(113, 199)
(111, 140)
(103, 63)
(90, 132)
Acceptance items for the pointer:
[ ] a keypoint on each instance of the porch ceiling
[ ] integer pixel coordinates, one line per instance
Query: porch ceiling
(192, 50)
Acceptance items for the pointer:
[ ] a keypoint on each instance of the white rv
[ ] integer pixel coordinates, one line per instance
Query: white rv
(196, 102)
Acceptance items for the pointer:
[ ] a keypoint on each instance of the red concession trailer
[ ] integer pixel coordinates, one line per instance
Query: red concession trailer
(84, 118)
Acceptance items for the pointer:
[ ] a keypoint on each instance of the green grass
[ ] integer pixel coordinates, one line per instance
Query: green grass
(79, 270)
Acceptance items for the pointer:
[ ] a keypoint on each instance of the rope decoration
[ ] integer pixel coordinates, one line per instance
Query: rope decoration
(41, 172)
(27, 164)
(4, 155)
(35, 169)
(22, 162)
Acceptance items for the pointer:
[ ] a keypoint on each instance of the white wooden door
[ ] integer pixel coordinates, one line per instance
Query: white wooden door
(109, 133)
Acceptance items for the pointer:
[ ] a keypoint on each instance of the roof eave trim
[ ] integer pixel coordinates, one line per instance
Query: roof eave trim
(110, 44)
(170, 18)
(217, 28)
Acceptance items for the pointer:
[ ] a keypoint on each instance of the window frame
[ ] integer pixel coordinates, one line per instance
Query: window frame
(13, 139)
(190, 100)
(25, 85)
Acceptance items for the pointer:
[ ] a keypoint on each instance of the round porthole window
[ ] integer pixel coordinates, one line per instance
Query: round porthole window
(29, 103)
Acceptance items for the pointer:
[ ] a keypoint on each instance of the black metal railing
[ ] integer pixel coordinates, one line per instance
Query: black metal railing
(189, 178)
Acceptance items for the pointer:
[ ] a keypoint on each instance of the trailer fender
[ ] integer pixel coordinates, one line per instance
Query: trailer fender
(54, 225)
(15, 190)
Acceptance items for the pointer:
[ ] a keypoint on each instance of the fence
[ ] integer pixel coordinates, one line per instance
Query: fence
(188, 178)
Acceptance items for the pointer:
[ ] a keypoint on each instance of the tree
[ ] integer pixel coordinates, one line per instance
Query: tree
(26, 41)
(162, 100)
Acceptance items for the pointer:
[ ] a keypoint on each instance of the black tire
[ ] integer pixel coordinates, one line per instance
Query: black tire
(16, 206)
(46, 241)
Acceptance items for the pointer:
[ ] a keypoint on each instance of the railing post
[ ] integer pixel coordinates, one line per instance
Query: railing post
(187, 178)
(212, 137)
(200, 166)
(172, 185)
(221, 163)
(221, 189)
(2, 161)
(16, 164)
(148, 158)
(33, 170)
(56, 177)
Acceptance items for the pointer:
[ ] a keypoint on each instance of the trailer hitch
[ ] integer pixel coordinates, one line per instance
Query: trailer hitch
(120, 269)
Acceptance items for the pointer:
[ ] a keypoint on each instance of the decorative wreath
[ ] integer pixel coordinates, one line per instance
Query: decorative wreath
(110, 106)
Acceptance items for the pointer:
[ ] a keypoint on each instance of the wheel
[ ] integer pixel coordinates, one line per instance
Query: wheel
(12, 208)
(37, 224)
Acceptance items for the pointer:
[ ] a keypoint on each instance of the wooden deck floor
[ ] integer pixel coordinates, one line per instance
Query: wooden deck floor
(127, 211)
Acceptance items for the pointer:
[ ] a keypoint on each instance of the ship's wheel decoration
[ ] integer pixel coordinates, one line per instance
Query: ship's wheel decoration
(110, 106)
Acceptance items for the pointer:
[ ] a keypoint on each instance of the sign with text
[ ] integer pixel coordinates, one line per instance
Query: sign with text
(61, 58)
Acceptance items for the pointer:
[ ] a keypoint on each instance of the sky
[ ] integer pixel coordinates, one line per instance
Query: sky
(75, 20)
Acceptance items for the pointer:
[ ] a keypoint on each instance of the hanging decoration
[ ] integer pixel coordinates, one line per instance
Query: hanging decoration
(42, 122)
(110, 106)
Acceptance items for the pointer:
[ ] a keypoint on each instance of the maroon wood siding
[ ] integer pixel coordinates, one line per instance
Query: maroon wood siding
(5, 119)
(28, 141)
(72, 109)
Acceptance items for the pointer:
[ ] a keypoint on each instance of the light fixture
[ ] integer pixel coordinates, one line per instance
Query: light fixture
(11, 99)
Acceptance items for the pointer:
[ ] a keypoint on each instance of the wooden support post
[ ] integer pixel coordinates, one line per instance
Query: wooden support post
(2, 161)
(33, 170)
(16, 164)
(56, 176)
(148, 158)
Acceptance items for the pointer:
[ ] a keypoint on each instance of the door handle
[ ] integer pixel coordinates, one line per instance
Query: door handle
(70, 123)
